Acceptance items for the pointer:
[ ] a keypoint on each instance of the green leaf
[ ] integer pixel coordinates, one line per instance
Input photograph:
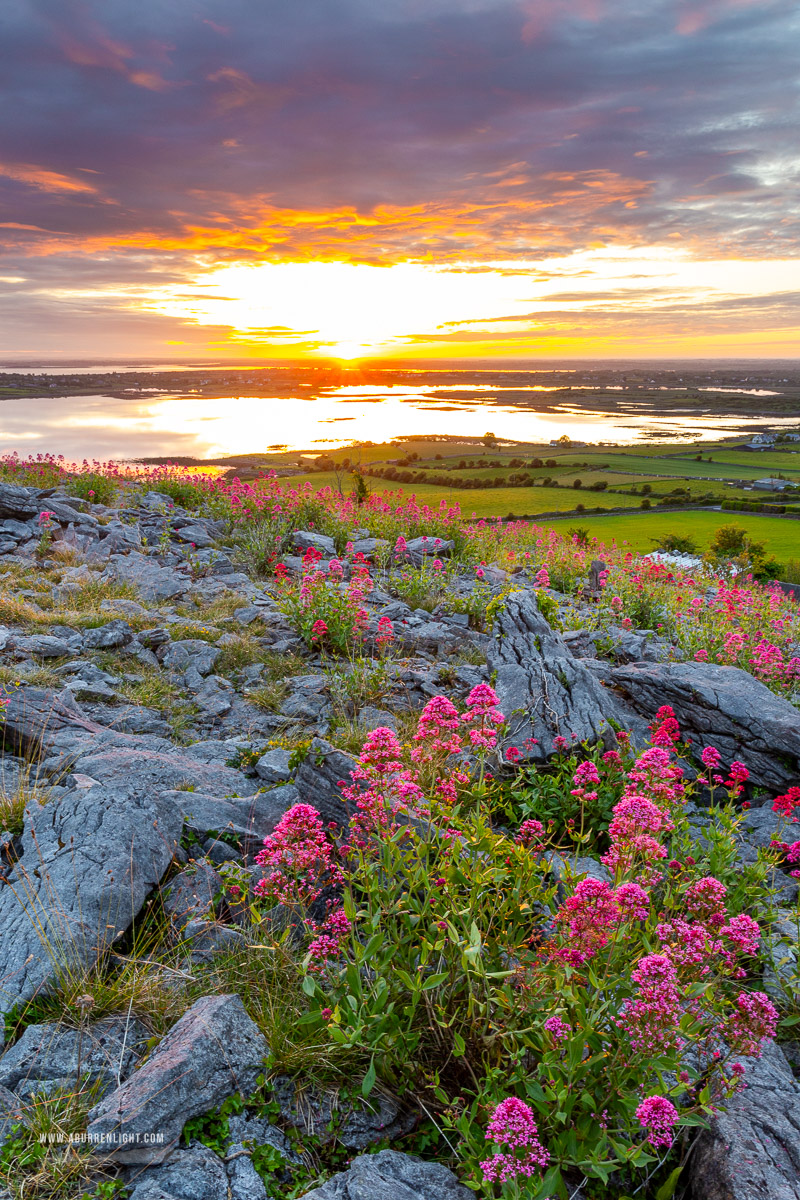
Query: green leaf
(435, 980)
(369, 1080)
(459, 1045)
(309, 986)
(667, 1189)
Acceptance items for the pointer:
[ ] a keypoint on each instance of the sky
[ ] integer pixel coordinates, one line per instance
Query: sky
(408, 179)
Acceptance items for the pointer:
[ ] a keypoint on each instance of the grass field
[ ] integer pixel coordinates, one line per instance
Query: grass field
(638, 530)
(484, 502)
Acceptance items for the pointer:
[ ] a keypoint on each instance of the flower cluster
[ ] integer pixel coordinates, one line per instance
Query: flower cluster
(298, 858)
(512, 1125)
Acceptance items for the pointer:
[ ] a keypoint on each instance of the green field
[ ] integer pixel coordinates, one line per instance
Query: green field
(638, 530)
(482, 502)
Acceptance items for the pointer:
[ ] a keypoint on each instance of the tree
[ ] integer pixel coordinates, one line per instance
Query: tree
(489, 440)
(565, 440)
(577, 483)
(675, 543)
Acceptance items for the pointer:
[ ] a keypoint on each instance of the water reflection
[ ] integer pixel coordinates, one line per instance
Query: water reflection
(203, 426)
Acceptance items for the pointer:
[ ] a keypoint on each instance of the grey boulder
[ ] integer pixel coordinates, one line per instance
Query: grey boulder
(273, 767)
(543, 691)
(723, 707)
(193, 1174)
(108, 636)
(390, 1175)
(18, 503)
(42, 645)
(318, 778)
(89, 861)
(250, 818)
(306, 539)
(752, 1150)
(214, 1051)
(48, 1057)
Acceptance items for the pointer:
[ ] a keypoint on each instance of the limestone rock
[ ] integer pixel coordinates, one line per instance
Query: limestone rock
(390, 1175)
(315, 1111)
(306, 539)
(108, 636)
(543, 691)
(273, 767)
(154, 583)
(87, 865)
(723, 707)
(214, 1051)
(317, 781)
(250, 817)
(48, 1057)
(752, 1150)
(193, 1174)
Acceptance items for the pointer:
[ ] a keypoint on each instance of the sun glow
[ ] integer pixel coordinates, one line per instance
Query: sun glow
(351, 311)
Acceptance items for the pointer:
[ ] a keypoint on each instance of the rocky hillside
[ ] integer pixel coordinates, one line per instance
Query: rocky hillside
(353, 852)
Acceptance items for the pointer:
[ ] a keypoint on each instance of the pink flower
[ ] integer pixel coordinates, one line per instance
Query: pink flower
(633, 901)
(586, 773)
(330, 938)
(559, 1030)
(319, 630)
(651, 1020)
(705, 900)
(512, 1124)
(658, 1116)
(786, 805)
(437, 730)
(530, 835)
(711, 758)
(299, 858)
(756, 1018)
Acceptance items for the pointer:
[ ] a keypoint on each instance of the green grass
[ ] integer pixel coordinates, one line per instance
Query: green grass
(765, 462)
(487, 502)
(637, 531)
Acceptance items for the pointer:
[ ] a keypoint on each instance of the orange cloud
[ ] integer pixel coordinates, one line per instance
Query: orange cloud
(45, 181)
(563, 208)
(97, 49)
(238, 90)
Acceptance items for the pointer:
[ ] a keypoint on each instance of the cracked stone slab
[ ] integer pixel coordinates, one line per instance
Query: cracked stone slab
(723, 707)
(88, 862)
(543, 690)
(213, 1051)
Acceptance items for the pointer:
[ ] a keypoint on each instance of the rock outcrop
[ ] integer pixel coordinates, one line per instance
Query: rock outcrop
(214, 1051)
(723, 707)
(752, 1150)
(543, 690)
(88, 864)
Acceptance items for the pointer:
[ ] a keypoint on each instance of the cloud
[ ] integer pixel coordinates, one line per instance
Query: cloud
(444, 131)
(44, 180)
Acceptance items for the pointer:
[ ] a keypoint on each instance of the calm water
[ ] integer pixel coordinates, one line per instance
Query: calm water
(203, 426)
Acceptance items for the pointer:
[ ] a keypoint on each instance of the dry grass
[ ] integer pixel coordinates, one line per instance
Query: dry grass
(156, 690)
(15, 796)
(241, 652)
(39, 1162)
